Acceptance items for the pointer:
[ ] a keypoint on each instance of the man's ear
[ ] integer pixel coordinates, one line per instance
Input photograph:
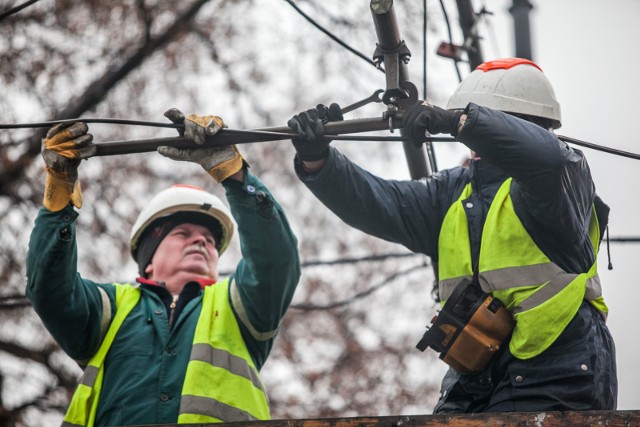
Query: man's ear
(149, 269)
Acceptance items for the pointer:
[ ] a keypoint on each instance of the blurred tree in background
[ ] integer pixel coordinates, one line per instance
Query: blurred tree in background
(347, 346)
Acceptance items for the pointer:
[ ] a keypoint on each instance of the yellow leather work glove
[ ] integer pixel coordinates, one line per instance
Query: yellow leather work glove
(219, 162)
(64, 147)
(197, 128)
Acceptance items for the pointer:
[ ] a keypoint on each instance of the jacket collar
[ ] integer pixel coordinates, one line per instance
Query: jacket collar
(485, 174)
(202, 282)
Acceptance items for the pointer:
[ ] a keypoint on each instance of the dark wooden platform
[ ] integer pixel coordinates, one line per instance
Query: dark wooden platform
(520, 419)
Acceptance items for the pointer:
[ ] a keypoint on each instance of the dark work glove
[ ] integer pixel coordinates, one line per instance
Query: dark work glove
(423, 117)
(312, 145)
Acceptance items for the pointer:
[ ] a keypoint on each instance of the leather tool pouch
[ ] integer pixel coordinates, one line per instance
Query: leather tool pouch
(469, 329)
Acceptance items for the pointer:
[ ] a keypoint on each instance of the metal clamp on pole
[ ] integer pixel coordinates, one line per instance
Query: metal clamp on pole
(392, 60)
(392, 50)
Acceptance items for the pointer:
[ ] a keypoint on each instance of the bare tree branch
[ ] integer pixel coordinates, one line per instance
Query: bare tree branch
(95, 93)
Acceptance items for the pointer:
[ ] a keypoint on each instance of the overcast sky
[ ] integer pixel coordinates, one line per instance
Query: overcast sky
(588, 50)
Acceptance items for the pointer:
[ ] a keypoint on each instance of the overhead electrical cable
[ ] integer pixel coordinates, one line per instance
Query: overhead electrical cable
(428, 145)
(424, 49)
(289, 135)
(332, 36)
(350, 260)
(14, 301)
(446, 20)
(16, 9)
(18, 301)
(490, 30)
(368, 258)
(91, 120)
(386, 281)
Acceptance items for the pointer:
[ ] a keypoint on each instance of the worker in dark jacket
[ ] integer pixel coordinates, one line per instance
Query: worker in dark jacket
(520, 226)
(181, 346)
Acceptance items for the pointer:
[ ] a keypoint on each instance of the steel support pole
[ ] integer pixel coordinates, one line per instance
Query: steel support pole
(468, 24)
(522, 30)
(390, 45)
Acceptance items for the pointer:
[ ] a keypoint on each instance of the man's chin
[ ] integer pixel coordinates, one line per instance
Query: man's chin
(198, 268)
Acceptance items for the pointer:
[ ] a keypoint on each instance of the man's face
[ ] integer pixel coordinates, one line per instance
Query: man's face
(188, 251)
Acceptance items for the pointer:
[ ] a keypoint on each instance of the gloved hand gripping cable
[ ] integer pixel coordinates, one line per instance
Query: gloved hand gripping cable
(63, 148)
(219, 162)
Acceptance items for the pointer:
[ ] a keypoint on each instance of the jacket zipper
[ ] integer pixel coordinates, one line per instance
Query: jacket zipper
(172, 308)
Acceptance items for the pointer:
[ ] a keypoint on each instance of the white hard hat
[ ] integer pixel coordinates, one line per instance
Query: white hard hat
(512, 85)
(183, 199)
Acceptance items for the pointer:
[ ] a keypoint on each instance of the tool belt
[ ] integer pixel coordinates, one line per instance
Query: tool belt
(469, 329)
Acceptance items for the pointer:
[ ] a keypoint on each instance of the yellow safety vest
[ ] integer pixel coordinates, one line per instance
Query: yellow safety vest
(221, 383)
(542, 297)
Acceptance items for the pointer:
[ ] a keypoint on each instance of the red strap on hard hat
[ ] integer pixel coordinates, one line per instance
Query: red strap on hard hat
(188, 186)
(505, 64)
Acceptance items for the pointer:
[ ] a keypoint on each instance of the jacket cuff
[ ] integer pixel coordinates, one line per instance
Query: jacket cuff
(317, 176)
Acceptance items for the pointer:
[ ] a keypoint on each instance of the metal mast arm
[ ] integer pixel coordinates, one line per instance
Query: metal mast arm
(392, 50)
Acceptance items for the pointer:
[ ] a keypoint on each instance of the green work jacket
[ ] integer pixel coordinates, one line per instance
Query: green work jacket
(144, 370)
(219, 356)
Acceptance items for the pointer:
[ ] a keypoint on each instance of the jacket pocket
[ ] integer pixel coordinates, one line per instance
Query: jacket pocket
(549, 369)
(560, 380)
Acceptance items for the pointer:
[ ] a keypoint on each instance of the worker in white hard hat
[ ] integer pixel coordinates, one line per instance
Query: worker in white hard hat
(182, 345)
(515, 236)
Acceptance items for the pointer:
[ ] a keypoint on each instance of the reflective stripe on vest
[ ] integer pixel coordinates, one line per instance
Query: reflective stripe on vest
(222, 383)
(84, 404)
(542, 297)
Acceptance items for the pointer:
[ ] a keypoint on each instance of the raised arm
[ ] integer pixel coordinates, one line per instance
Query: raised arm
(69, 306)
(266, 277)
(404, 212)
(555, 180)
